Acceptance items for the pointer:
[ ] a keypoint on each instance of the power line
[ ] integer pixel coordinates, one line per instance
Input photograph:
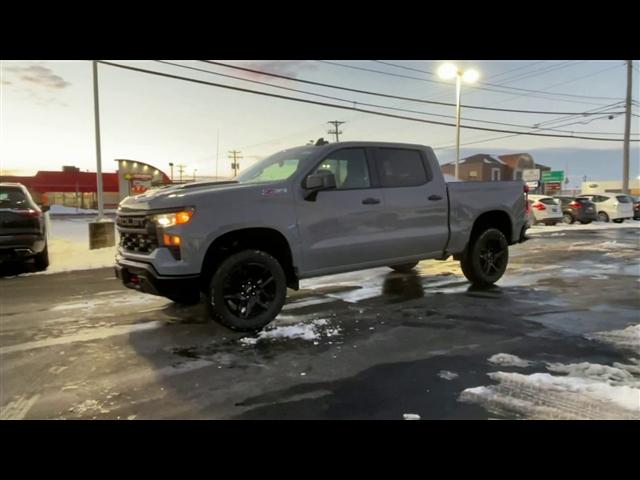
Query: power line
(353, 102)
(313, 102)
(440, 82)
(397, 97)
(506, 87)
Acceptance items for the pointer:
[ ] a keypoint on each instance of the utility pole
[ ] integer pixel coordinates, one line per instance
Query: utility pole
(335, 131)
(234, 156)
(627, 131)
(96, 109)
(181, 168)
(171, 166)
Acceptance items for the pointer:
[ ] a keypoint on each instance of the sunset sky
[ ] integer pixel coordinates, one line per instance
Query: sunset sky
(46, 112)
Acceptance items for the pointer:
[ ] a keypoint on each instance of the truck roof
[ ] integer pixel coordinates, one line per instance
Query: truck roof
(355, 143)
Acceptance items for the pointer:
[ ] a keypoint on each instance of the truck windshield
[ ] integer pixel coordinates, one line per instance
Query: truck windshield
(275, 168)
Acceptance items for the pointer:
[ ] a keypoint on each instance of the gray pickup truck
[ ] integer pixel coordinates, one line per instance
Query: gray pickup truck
(311, 211)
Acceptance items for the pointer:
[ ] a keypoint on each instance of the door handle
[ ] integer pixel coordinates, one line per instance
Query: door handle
(370, 201)
(434, 197)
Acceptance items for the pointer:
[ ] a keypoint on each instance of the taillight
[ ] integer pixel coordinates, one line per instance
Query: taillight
(527, 207)
(539, 206)
(575, 204)
(30, 212)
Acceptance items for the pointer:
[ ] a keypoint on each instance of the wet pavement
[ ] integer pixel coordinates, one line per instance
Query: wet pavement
(373, 344)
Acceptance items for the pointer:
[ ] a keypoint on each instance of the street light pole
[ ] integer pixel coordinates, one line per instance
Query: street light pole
(458, 88)
(96, 110)
(449, 71)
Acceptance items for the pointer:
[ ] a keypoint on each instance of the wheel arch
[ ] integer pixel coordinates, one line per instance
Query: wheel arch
(266, 239)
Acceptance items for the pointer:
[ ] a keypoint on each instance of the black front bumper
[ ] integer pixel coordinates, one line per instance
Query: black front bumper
(144, 278)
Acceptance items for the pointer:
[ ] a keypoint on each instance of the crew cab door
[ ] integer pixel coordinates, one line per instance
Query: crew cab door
(415, 199)
(343, 226)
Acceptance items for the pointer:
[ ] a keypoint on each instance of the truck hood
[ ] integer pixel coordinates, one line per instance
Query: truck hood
(181, 195)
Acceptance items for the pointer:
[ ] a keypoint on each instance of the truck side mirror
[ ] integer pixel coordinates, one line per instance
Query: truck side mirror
(317, 182)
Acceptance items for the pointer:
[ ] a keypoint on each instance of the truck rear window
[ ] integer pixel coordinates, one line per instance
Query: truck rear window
(13, 198)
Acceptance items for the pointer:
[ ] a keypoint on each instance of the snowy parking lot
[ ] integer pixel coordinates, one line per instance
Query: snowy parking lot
(557, 338)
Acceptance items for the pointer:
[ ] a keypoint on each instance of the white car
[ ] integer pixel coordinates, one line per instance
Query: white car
(544, 209)
(611, 206)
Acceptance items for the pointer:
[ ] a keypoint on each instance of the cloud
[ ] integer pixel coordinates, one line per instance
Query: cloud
(39, 75)
(289, 68)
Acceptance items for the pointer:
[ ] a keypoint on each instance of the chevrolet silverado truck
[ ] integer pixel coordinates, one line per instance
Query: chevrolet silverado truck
(310, 211)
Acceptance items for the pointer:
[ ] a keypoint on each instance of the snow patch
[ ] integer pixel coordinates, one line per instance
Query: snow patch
(588, 391)
(447, 374)
(301, 331)
(508, 360)
(628, 337)
(411, 416)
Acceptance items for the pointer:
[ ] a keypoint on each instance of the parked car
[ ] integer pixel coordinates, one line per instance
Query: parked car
(22, 227)
(577, 209)
(312, 211)
(616, 207)
(544, 209)
(636, 207)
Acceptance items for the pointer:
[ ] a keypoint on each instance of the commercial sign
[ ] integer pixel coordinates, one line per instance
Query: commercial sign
(552, 187)
(531, 175)
(533, 185)
(553, 176)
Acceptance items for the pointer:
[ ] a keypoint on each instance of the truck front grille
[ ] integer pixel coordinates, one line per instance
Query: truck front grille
(138, 242)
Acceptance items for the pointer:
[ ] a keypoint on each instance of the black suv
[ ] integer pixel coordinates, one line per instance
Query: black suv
(22, 227)
(577, 209)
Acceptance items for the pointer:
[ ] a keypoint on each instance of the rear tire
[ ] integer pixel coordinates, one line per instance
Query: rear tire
(585, 223)
(404, 267)
(486, 257)
(603, 217)
(41, 260)
(247, 291)
(618, 220)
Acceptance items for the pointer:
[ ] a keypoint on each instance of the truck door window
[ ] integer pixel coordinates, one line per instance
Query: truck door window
(349, 166)
(400, 167)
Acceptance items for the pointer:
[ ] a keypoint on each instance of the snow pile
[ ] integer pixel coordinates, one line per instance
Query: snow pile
(628, 337)
(587, 391)
(69, 247)
(508, 360)
(447, 374)
(302, 331)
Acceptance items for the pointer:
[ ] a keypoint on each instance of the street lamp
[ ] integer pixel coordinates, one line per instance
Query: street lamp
(448, 71)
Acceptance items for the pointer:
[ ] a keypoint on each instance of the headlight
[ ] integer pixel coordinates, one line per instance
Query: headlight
(165, 220)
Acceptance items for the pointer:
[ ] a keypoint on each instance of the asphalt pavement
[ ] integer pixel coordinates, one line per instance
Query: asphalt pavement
(373, 344)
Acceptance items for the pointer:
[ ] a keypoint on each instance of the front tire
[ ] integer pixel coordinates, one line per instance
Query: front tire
(404, 268)
(618, 220)
(568, 218)
(247, 291)
(486, 258)
(586, 223)
(603, 217)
